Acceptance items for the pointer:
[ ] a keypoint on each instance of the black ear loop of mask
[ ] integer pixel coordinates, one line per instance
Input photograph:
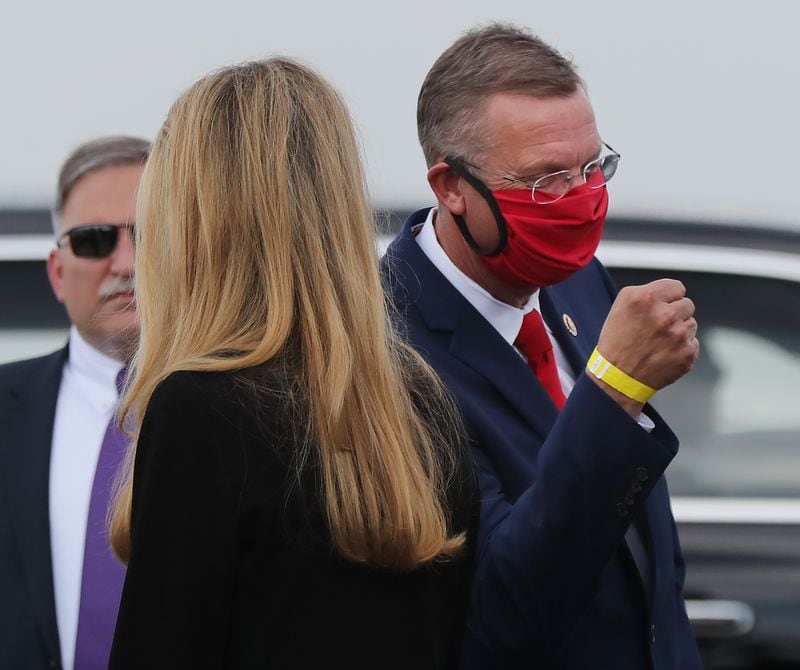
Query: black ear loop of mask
(502, 228)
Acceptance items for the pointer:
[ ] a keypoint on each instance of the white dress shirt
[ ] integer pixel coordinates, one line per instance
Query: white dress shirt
(86, 402)
(505, 319)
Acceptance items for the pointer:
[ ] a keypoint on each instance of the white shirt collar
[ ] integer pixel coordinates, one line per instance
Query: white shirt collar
(506, 319)
(95, 373)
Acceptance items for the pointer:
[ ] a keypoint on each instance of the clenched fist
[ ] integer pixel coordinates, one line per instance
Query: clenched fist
(650, 333)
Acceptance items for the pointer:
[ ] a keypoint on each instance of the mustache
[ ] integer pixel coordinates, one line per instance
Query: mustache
(117, 285)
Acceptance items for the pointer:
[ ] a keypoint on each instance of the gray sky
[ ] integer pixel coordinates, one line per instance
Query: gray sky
(701, 98)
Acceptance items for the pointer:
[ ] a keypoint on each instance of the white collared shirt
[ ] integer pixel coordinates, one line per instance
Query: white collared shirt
(504, 318)
(87, 400)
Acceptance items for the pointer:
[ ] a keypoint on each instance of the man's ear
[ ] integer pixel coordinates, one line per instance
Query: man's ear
(55, 273)
(446, 185)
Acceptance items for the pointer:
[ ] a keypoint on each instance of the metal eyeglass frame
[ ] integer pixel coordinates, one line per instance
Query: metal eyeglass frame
(536, 184)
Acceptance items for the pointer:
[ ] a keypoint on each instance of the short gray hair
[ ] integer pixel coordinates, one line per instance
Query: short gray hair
(493, 59)
(100, 153)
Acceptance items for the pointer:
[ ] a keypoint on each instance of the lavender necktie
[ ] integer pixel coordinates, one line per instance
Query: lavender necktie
(103, 574)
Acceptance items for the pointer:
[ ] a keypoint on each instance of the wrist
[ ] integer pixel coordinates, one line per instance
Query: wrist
(630, 406)
(599, 367)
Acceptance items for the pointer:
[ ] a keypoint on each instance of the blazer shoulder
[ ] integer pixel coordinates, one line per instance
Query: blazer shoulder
(199, 391)
(17, 372)
(187, 389)
(250, 403)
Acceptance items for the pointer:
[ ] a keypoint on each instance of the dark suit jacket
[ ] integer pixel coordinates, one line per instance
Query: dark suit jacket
(556, 584)
(28, 629)
(231, 562)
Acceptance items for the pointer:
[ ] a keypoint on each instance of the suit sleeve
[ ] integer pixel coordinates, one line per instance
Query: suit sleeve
(541, 557)
(176, 602)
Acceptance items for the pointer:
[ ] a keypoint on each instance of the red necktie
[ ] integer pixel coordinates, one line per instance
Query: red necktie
(535, 344)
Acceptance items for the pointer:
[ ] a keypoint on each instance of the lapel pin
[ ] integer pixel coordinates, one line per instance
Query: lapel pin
(569, 324)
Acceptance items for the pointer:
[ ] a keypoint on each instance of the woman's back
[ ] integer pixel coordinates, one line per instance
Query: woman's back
(232, 563)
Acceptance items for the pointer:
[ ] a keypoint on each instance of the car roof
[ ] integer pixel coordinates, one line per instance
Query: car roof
(714, 234)
(701, 247)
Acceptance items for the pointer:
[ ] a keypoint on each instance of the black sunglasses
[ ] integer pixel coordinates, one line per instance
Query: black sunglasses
(95, 240)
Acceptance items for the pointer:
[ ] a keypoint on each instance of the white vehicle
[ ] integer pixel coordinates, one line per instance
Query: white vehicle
(735, 484)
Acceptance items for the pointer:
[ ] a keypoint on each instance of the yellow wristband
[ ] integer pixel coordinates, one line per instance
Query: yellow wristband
(617, 379)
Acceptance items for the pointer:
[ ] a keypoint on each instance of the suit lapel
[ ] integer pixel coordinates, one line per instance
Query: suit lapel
(556, 309)
(28, 425)
(474, 341)
(477, 344)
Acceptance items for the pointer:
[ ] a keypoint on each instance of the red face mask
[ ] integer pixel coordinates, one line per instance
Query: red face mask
(547, 243)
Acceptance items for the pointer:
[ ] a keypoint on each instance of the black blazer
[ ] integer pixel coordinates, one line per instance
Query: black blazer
(28, 629)
(232, 565)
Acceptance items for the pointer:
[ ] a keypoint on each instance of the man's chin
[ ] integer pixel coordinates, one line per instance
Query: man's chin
(114, 334)
(119, 320)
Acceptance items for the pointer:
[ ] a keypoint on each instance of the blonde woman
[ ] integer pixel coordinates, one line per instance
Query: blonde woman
(297, 496)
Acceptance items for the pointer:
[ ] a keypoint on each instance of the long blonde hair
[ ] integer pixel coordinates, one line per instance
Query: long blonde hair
(256, 236)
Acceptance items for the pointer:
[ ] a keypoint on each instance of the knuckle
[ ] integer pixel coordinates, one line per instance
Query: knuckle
(677, 332)
(626, 294)
(666, 321)
(642, 296)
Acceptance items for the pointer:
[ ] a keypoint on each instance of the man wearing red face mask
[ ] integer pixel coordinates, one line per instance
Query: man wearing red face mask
(579, 562)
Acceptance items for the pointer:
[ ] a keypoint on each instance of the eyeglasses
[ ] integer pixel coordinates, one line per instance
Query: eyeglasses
(555, 185)
(95, 240)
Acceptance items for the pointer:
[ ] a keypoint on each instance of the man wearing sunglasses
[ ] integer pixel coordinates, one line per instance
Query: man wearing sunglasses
(579, 564)
(60, 444)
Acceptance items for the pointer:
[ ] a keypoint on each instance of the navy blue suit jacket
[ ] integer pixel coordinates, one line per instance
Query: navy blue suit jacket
(556, 584)
(28, 628)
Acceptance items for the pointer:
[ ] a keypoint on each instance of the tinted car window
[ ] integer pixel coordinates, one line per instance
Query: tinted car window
(736, 413)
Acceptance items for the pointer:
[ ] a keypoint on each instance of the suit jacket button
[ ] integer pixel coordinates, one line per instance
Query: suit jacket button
(628, 499)
(635, 487)
(642, 474)
(622, 509)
